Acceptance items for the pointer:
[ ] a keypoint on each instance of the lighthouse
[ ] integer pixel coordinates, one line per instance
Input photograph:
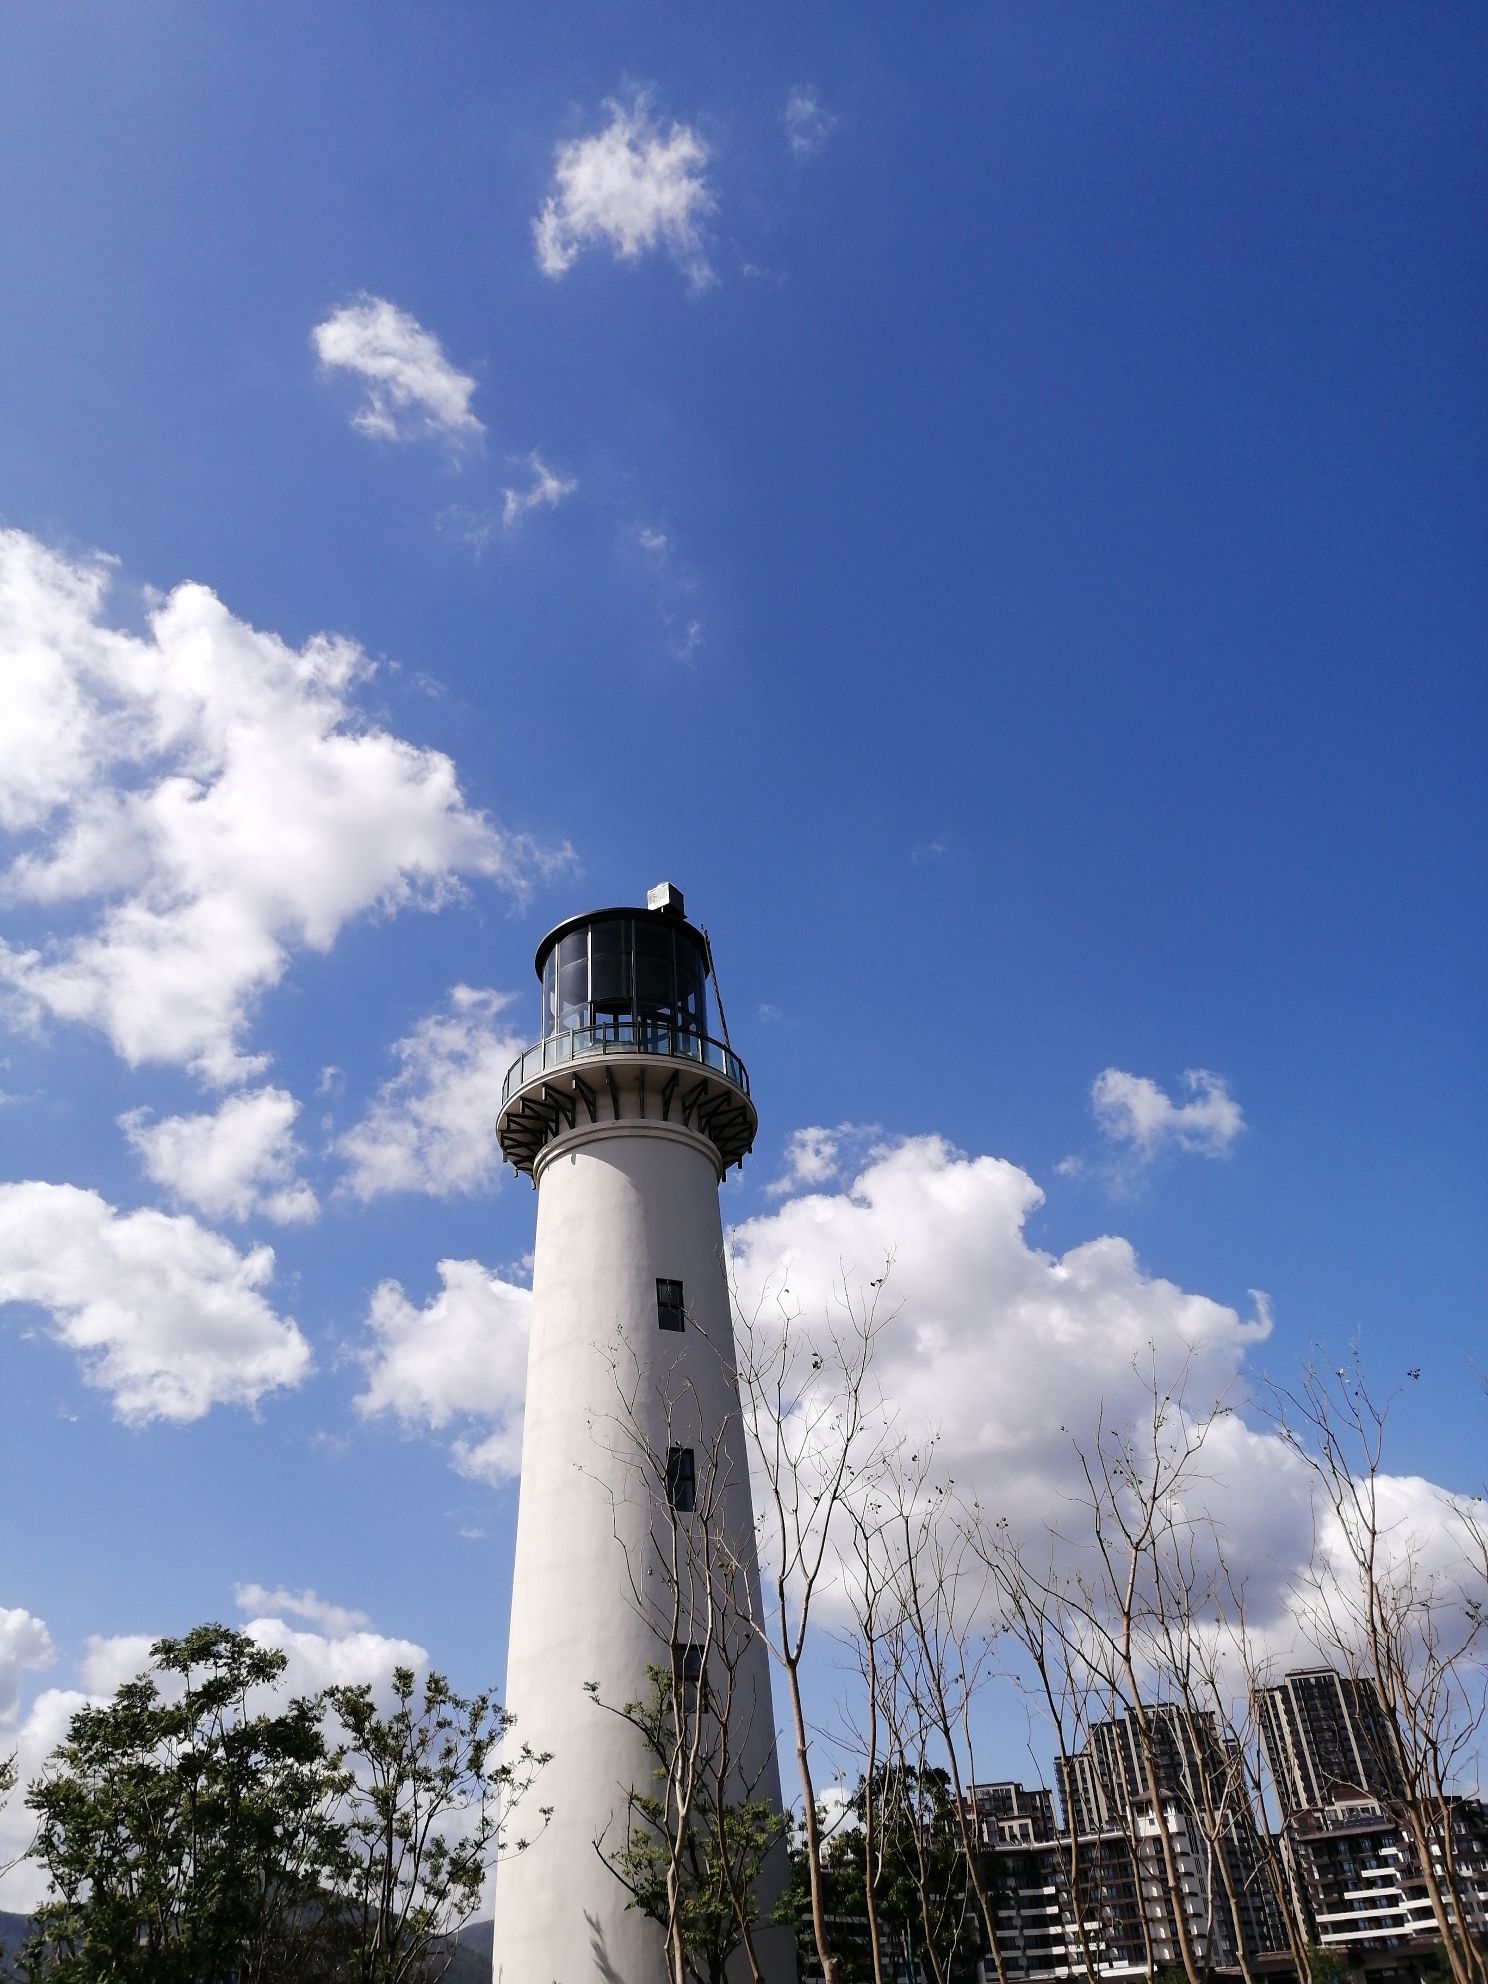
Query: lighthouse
(635, 1581)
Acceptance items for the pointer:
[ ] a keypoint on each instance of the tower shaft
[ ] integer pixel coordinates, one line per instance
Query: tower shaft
(635, 1578)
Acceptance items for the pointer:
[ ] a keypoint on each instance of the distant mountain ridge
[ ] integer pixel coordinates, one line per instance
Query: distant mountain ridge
(470, 1964)
(14, 1930)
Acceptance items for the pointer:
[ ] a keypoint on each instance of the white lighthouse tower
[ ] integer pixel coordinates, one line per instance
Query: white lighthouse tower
(635, 1542)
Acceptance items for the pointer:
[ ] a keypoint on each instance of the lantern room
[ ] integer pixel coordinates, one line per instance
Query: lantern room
(626, 975)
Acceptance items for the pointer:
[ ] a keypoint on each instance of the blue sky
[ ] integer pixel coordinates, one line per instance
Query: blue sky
(996, 514)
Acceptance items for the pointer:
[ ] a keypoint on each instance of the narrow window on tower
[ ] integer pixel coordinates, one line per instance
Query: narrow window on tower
(681, 1480)
(669, 1311)
(689, 1676)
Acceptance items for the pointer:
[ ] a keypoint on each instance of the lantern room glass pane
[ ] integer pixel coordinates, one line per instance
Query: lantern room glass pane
(692, 990)
(609, 969)
(573, 980)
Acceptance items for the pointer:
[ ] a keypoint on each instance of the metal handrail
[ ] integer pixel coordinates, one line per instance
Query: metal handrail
(557, 1050)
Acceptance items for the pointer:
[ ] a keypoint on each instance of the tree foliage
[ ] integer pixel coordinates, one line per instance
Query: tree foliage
(718, 1847)
(184, 1836)
(199, 1830)
(926, 1909)
(419, 1819)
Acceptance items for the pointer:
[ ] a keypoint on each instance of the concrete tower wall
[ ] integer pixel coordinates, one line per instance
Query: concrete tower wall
(620, 1203)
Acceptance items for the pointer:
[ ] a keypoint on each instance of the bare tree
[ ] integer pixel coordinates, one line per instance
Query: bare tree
(1210, 1757)
(916, 1800)
(1377, 1605)
(1035, 1619)
(1136, 1481)
(817, 1426)
(945, 1593)
(1097, 1593)
(876, 1618)
(1251, 1671)
(697, 1838)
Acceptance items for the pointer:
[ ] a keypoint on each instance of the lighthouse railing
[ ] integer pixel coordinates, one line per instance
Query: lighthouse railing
(622, 1037)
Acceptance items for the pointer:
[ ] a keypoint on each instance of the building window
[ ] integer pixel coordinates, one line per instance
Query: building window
(681, 1480)
(669, 1311)
(689, 1676)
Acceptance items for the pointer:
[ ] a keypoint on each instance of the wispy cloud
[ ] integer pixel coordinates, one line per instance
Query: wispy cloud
(677, 588)
(815, 1156)
(412, 392)
(255, 1600)
(687, 639)
(807, 125)
(545, 492)
(476, 529)
(631, 186)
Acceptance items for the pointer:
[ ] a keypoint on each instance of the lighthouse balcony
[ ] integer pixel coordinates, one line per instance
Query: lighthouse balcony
(600, 1072)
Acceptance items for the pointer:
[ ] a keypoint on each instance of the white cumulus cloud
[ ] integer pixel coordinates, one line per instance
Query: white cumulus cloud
(341, 1647)
(1131, 1110)
(241, 1160)
(25, 1644)
(432, 1127)
(111, 1659)
(633, 186)
(1007, 1357)
(545, 492)
(412, 392)
(33, 1738)
(336, 1659)
(1003, 1352)
(213, 799)
(460, 1360)
(165, 1316)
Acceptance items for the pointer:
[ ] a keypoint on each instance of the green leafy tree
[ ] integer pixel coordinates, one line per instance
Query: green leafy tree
(421, 1800)
(842, 1898)
(1332, 1966)
(695, 1873)
(191, 1837)
(923, 1886)
(927, 1916)
(185, 1838)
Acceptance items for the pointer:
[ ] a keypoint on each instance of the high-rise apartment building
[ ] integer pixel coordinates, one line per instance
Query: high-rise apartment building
(1326, 1733)
(1351, 1837)
(1100, 1892)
